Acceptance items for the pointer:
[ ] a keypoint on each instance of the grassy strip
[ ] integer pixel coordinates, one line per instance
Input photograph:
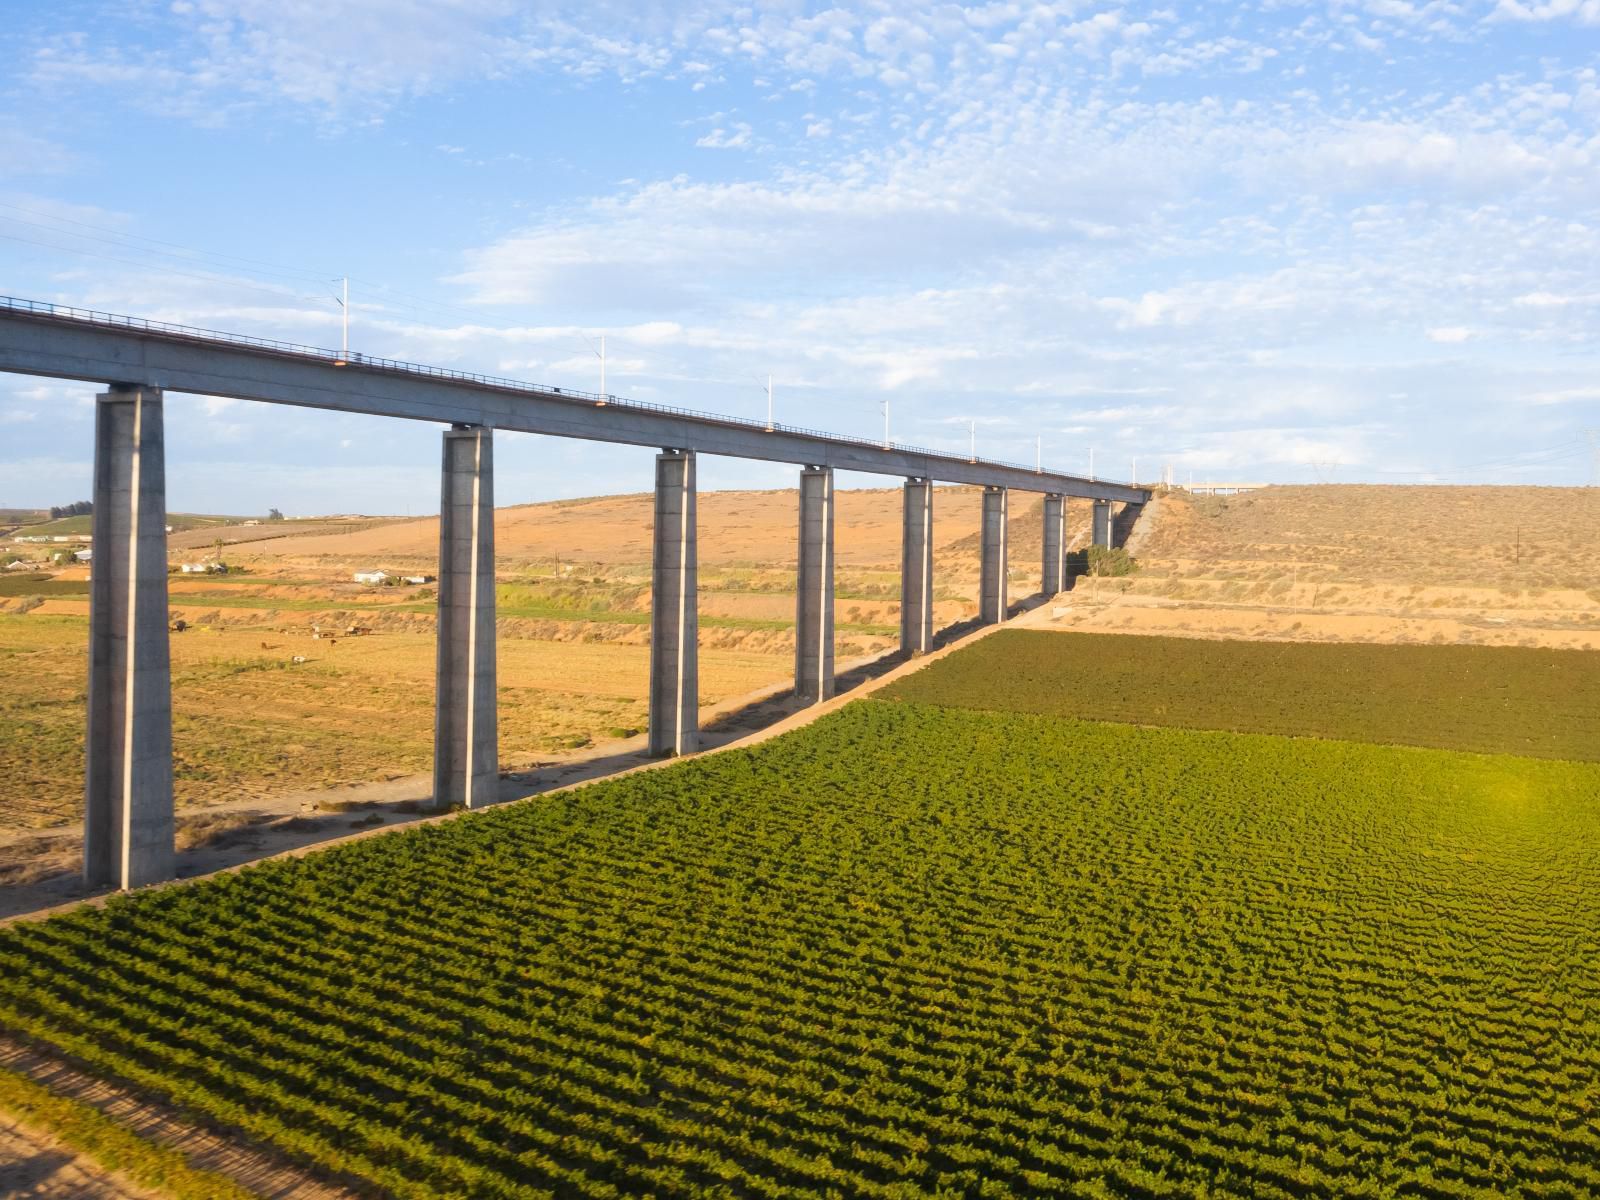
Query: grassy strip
(1483, 699)
(113, 1146)
(42, 585)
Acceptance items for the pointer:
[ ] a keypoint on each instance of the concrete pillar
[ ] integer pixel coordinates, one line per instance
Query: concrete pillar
(674, 616)
(466, 745)
(1053, 576)
(1102, 523)
(916, 569)
(127, 811)
(992, 574)
(813, 607)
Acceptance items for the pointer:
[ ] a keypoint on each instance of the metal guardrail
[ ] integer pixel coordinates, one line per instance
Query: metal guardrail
(191, 333)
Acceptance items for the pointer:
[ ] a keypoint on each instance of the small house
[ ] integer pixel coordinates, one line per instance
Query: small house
(370, 576)
(416, 579)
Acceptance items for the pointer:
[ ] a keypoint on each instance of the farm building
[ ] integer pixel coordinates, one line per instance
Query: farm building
(370, 576)
(416, 579)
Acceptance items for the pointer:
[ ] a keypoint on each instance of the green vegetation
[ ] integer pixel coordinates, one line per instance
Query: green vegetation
(1102, 561)
(115, 1147)
(1541, 703)
(905, 951)
(30, 583)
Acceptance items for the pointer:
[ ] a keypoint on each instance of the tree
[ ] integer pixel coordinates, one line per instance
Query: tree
(274, 515)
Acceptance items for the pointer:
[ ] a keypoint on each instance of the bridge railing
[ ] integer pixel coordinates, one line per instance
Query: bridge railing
(193, 333)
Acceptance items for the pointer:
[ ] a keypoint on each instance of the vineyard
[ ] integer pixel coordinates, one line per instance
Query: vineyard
(906, 951)
(1490, 699)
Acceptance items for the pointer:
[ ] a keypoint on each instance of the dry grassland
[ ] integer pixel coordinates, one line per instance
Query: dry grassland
(1508, 566)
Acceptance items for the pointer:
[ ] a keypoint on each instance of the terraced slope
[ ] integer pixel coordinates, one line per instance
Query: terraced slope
(907, 951)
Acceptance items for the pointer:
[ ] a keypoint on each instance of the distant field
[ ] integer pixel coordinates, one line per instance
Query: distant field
(24, 583)
(84, 523)
(248, 723)
(907, 951)
(1541, 703)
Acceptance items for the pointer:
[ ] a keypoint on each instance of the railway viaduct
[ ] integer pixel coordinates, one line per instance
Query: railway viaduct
(128, 811)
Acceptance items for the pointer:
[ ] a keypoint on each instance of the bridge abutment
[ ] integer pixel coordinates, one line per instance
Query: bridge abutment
(992, 569)
(128, 817)
(674, 614)
(1053, 575)
(813, 642)
(466, 748)
(916, 568)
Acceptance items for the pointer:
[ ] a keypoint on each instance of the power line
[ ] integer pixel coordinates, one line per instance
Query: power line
(264, 288)
(189, 251)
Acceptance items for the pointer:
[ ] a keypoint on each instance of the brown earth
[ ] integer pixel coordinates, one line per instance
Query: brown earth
(1501, 566)
(735, 528)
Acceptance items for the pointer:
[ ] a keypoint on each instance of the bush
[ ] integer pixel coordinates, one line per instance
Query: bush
(1098, 560)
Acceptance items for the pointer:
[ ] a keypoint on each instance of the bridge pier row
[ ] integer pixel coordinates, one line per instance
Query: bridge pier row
(674, 613)
(813, 639)
(1102, 523)
(916, 569)
(992, 565)
(1053, 576)
(127, 816)
(466, 746)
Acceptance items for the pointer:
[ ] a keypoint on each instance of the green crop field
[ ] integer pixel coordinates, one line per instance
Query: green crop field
(1541, 703)
(908, 950)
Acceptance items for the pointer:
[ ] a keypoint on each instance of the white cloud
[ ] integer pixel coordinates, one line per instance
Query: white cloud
(1579, 395)
(1584, 12)
(25, 153)
(738, 138)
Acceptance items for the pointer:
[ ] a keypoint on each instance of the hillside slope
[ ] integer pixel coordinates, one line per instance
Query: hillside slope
(1491, 565)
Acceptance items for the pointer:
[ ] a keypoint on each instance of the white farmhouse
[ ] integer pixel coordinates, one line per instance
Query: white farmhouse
(370, 576)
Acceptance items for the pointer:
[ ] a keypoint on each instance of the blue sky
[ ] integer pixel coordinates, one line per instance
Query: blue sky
(1353, 240)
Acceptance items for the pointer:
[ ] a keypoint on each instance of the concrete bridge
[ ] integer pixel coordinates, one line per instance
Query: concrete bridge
(128, 810)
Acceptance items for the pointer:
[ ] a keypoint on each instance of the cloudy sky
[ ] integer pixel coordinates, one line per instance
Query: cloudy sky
(1291, 240)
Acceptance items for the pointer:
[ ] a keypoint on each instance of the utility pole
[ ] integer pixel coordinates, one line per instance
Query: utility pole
(972, 434)
(886, 422)
(344, 320)
(769, 403)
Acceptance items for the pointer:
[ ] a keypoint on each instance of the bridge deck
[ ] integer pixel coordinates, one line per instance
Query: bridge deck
(62, 343)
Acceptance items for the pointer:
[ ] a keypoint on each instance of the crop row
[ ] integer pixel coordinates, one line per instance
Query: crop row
(907, 951)
(1488, 699)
